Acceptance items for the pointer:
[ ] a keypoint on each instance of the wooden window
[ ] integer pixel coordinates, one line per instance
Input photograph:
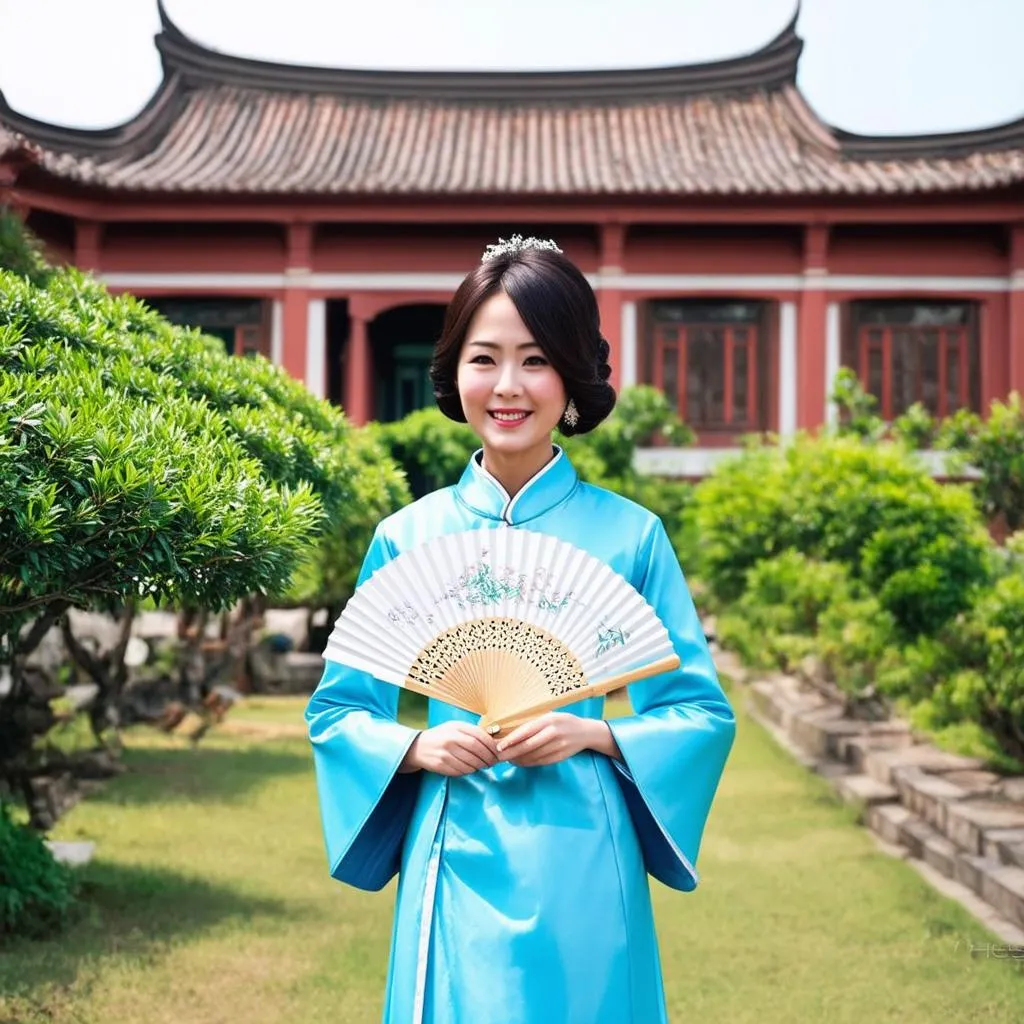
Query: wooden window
(242, 324)
(709, 359)
(906, 352)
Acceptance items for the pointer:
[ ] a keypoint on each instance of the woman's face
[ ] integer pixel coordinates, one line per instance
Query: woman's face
(512, 396)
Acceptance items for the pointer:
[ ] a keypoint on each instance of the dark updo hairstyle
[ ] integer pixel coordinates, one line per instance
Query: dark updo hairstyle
(560, 311)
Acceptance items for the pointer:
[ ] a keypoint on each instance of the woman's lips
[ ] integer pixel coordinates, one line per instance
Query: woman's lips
(508, 418)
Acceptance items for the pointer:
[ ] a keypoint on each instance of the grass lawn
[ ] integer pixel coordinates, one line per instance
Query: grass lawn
(209, 902)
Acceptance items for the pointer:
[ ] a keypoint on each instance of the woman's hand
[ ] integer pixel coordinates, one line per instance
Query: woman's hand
(452, 748)
(554, 737)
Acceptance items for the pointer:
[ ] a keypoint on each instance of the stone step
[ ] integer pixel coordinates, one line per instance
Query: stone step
(1013, 788)
(1002, 885)
(865, 791)
(927, 796)
(967, 821)
(926, 843)
(764, 698)
(885, 820)
(881, 764)
(820, 730)
(1005, 845)
(855, 748)
(976, 783)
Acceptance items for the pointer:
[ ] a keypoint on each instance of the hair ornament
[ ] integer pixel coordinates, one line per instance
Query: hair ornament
(517, 244)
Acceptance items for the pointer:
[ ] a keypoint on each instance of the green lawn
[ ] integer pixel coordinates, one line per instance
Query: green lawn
(209, 902)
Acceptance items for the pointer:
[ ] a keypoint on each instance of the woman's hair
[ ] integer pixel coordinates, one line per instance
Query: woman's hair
(560, 311)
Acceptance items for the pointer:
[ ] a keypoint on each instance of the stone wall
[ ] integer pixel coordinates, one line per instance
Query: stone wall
(938, 810)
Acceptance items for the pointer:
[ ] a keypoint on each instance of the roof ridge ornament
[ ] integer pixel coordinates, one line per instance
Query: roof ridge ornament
(517, 244)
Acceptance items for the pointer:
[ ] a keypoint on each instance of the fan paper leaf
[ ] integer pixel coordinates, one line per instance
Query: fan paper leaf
(506, 623)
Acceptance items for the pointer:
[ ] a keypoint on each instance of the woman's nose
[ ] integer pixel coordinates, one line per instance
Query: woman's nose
(508, 380)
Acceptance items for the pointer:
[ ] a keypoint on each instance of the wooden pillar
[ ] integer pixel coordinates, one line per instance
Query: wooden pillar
(609, 299)
(811, 331)
(88, 242)
(1015, 324)
(295, 323)
(295, 312)
(358, 404)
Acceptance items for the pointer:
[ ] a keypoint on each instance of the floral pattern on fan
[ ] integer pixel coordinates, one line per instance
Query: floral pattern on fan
(610, 637)
(404, 613)
(479, 586)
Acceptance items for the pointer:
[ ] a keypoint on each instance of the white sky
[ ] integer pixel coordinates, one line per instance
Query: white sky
(869, 66)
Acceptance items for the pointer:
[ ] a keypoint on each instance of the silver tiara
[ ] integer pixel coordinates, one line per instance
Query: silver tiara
(517, 244)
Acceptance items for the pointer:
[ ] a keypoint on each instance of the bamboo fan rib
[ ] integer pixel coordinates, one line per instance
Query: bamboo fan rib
(505, 623)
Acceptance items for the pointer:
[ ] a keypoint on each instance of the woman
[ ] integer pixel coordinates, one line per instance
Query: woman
(523, 895)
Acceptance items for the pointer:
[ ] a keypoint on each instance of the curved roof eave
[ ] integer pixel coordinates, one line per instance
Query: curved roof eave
(770, 66)
(938, 146)
(151, 120)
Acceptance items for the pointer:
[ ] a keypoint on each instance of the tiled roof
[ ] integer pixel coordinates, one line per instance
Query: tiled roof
(222, 124)
(14, 145)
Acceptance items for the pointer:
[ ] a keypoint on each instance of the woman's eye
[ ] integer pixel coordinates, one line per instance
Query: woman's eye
(536, 361)
(481, 359)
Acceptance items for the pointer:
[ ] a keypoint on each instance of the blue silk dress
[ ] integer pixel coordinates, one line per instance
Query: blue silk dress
(523, 894)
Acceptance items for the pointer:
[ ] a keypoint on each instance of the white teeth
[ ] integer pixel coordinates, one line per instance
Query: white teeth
(509, 417)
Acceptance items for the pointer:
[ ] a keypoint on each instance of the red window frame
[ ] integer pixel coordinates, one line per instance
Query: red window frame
(676, 339)
(936, 360)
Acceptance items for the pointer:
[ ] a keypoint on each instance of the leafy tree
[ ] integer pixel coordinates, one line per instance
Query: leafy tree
(138, 461)
(326, 578)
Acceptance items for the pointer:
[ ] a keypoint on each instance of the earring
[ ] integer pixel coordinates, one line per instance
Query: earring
(571, 416)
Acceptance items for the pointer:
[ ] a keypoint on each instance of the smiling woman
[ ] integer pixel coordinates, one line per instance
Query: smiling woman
(523, 894)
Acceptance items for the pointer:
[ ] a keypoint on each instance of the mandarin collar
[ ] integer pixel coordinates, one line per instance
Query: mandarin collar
(550, 485)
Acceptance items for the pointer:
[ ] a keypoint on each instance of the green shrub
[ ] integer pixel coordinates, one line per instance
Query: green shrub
(995, 447)
(20, 251)
(909, 672)
(119, 478)
(794, 606)
(37, 894)
(672, 501)
(855, 634)
(790, 592)
(740, 515)
(776, 621)
(971, 675)
(432, 449)
(327, 577)
(641, 415)
(918, 545)
(983, 681)
(857, 415)
(928, 558)
(916, 428)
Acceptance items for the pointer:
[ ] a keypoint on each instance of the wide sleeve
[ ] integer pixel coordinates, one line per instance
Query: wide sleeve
(675, 745)
(358, 744)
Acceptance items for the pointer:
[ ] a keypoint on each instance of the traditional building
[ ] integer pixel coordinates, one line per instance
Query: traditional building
(742, 250)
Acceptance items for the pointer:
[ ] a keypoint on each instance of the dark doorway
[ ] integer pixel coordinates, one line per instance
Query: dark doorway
(402, 340)
(337, 343)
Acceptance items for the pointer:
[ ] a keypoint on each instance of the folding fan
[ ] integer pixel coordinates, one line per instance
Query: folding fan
(506, 623)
